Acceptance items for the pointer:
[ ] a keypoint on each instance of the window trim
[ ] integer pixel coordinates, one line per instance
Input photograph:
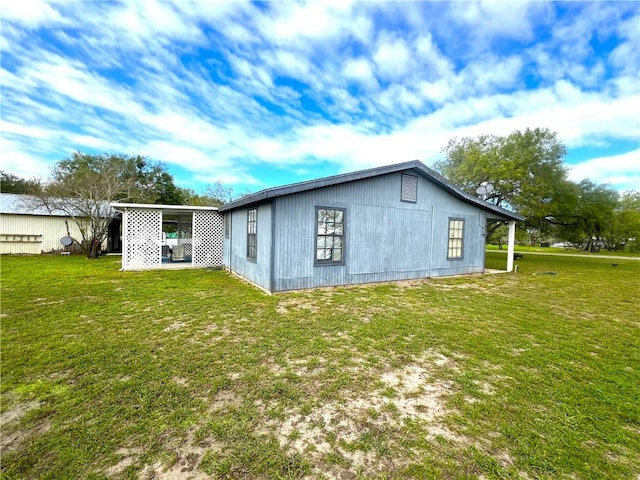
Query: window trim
(322, 263)
(450, 238)
(402, 197)
(254, 235)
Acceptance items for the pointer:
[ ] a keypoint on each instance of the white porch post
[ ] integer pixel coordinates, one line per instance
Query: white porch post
(511, 248)
(125, 239)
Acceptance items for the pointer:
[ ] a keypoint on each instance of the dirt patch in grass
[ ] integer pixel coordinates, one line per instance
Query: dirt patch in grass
(17, 411)
(357, 434)
(11, 438)
(129, 456)
(182, 465)
(297, 304)
(175, 326)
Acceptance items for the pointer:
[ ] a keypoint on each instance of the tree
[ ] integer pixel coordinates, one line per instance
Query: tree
(10, 183)
(596, 205)
(588, 220)
(624, 228)
(214, 195)
(158, 184)
(83, 186)
(525, 168)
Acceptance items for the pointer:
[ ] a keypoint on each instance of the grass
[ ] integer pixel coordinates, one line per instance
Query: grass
(194, 374)
(564, 250)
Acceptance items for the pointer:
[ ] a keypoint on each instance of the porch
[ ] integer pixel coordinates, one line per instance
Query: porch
(170, 236)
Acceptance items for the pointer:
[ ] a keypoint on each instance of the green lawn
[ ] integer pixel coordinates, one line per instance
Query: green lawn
(564, 251)
(194, 374)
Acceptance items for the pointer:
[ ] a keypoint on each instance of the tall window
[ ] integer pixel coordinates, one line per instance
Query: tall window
(456, 235)
(252, 234)
(330, 235)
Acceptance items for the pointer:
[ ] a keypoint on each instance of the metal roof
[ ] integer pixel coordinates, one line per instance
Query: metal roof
(176, 209)
(415, 165)
(16, 204)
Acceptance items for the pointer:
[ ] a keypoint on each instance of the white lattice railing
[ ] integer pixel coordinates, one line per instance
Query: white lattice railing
(201, 233)
(208, 237)
(142, 239)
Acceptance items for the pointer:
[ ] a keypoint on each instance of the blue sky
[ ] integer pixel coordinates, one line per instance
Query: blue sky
(262, 94)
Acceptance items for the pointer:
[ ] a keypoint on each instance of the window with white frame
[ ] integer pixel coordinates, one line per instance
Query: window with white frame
(456, 237)
(329, 235)
(252, 234)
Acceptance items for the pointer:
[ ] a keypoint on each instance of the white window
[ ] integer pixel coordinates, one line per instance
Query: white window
(329, 235)
(252, 234)
(456, 237)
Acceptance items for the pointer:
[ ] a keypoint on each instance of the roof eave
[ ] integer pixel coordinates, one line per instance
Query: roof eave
(151, 206)
(270, 193)
(431, 175)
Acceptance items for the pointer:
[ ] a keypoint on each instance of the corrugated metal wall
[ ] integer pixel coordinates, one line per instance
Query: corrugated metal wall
(50, 230)
(235, 254)
(386, 239)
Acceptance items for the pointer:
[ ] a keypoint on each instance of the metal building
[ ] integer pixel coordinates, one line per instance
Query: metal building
(28, 230)
(397, 222)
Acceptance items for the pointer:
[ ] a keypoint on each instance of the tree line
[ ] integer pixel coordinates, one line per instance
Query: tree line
(83, 186)
(132, 179)
(528, 175)
(525, 169)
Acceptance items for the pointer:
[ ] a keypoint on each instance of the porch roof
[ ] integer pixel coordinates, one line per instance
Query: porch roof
(170, 209)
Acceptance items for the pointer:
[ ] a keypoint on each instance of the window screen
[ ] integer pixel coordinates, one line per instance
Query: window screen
(409, 188)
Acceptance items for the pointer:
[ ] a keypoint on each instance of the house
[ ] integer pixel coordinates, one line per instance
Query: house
(25, 229)
(397, 222)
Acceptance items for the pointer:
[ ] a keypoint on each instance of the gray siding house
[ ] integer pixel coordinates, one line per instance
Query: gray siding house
(398, 222)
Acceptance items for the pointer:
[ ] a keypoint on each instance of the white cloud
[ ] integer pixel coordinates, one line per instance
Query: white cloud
(359, 70)
(490, 74)
(397, 98)
(289, 64)
(392, 58)
(30, 13)
(485, 20)
(620, 171)
(431, 59)
(437, 92)
(218, 88)
(19, 161)
(306, 23)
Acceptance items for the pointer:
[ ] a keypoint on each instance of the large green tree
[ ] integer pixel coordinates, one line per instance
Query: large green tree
(595, 207)
(525, 168)
(10, 183)
(623, 229)
(83, 186)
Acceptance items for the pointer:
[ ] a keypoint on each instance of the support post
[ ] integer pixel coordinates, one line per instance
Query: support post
(511, 247)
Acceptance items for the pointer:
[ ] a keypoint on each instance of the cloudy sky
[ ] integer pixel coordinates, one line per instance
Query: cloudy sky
(262, 94)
